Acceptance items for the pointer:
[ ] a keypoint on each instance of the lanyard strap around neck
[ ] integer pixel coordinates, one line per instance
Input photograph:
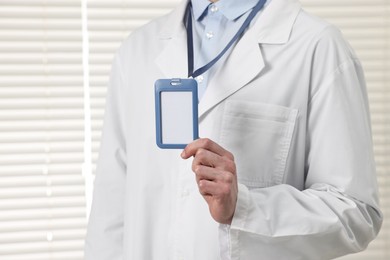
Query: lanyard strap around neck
(190, 42)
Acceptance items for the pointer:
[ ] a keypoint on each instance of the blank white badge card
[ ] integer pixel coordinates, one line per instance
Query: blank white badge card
(176, 112)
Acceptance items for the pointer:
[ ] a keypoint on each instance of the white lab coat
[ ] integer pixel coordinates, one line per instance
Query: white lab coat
(289, 102)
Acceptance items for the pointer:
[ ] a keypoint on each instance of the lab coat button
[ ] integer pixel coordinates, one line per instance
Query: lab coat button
(185, 193)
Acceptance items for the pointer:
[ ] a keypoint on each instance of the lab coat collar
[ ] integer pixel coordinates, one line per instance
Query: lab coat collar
(172, 61)
(273, 26)
(276, 22)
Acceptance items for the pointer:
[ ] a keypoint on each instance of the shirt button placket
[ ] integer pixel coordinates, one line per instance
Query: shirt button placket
(213, 9)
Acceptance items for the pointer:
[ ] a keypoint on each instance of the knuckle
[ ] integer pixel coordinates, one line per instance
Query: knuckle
(225, 190)
(202, 186)
(194, 166)
(231, 166)
(206, 142)
(229, 178)
(201, 156)
(201, 153)
(197, 170)
(230, 156)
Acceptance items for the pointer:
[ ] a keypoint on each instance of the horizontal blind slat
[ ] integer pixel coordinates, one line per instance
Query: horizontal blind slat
(51, 169)
(22, 214)
(38, 247)
(49, 202)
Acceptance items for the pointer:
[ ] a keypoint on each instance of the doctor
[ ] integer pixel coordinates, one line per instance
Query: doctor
(285, 168)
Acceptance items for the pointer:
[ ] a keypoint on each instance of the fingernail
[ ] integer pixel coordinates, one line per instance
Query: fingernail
(183, 154)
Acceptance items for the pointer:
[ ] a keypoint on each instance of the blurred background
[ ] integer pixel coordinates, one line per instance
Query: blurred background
(55, 59)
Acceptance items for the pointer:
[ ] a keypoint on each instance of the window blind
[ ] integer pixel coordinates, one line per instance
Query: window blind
(366, 24)
(42, 202)
(109, 23)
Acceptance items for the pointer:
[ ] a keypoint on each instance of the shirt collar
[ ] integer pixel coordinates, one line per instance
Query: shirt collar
(231, 9)
(199, 7)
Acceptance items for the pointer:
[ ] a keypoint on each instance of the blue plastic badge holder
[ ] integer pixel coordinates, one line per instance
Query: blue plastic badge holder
(176, 112)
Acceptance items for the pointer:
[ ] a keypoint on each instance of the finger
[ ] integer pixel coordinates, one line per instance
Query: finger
(206, 158)
(209, 188)
(222, 181)
(207, 173)
(206, 144)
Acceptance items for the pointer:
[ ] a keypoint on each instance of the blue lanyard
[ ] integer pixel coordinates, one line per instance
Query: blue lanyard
(190, 42)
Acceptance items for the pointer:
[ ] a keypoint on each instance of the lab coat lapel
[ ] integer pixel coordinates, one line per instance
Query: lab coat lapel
(246, 61)
(172, 60)
(243, 64)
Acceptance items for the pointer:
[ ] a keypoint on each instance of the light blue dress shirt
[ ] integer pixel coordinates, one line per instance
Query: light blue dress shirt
(215, 24)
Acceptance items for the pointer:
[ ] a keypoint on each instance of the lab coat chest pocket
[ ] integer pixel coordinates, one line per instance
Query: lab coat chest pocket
(259, 136)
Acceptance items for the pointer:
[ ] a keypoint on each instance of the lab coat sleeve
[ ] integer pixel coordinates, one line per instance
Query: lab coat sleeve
(105, 227)
(337, 213)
